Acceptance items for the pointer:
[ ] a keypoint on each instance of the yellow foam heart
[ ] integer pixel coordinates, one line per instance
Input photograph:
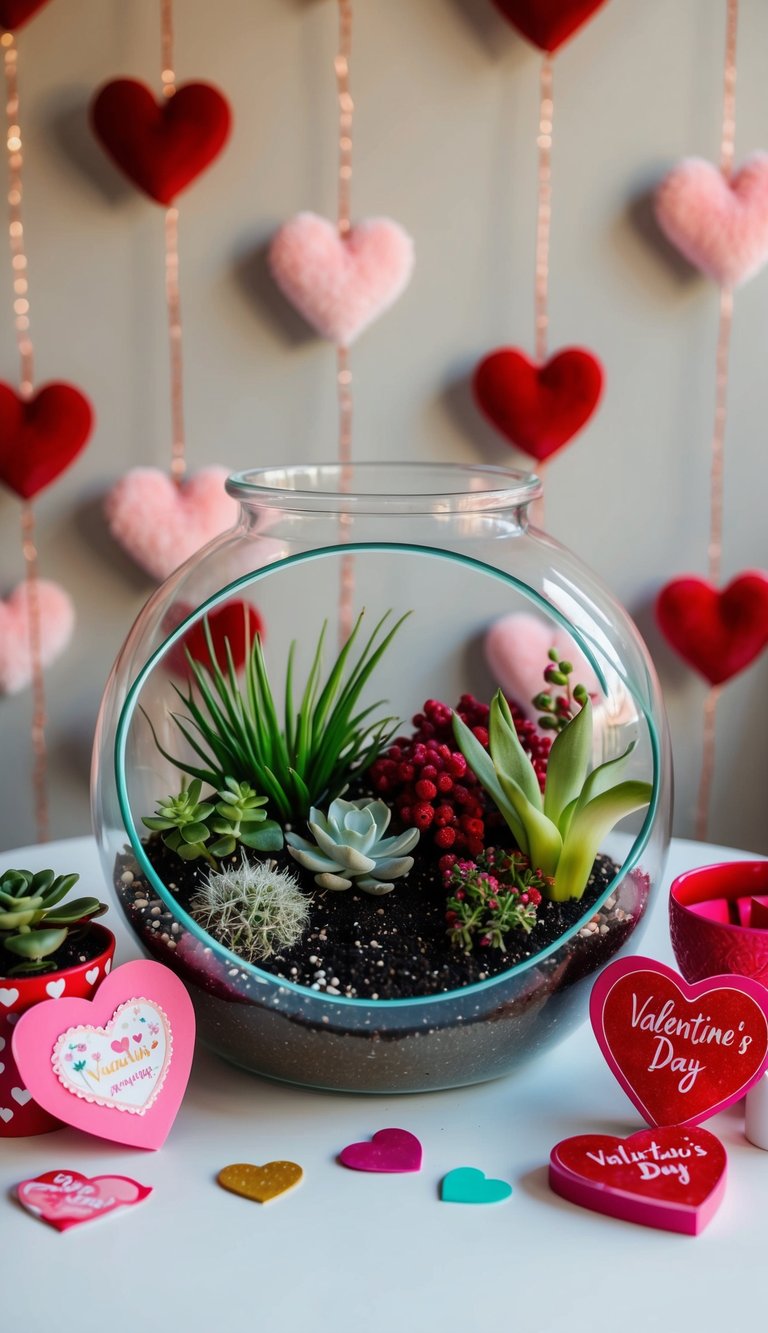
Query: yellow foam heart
(260, 1183)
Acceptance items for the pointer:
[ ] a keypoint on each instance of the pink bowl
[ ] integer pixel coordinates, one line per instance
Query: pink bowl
(712, 911)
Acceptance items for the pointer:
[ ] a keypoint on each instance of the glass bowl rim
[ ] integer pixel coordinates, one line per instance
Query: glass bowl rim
(408, 487)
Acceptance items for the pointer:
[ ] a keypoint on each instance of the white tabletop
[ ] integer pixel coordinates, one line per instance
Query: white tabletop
(348, 1251)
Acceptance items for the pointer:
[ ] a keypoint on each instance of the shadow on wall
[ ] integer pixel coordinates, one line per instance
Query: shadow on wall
(67, 118)
(91, 527)
(640, 215)
(672, 670)
(255, 284)
(491, 29)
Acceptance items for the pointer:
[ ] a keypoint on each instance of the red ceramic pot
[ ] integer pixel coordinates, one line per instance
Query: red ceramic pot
(713, 913)
(19, 1115)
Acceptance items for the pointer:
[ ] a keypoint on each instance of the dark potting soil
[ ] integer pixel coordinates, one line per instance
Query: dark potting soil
(381, 948)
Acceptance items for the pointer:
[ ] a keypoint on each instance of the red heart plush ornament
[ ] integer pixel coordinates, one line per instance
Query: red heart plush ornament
(236, 623)
(538, 408)
(717, 633)
(40, 437)
(14, 13)
(548, 23)
(161, 146)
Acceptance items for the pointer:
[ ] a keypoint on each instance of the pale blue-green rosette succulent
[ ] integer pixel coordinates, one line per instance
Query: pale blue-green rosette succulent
(349, 847)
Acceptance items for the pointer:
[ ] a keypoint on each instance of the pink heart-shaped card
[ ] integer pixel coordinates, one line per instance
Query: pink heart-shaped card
(115, 1066)
(681, 1053)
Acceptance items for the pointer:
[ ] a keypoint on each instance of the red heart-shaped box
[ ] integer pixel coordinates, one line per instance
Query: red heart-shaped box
(116, 1066)
(681, 1053)
(667, 1177)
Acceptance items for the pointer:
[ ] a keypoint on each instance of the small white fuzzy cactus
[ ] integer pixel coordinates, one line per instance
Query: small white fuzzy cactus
(253, 909)
(349, 847)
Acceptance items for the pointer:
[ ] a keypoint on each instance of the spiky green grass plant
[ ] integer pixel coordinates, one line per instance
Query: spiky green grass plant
(296, 756)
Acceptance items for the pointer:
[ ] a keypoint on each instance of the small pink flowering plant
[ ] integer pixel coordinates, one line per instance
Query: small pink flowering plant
(491, 896)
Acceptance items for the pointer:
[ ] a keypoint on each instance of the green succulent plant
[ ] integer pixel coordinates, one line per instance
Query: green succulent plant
(294, 756)
(182, 822)
(239, 819)
(349, 847)
(187, 824)
(32, 923)
(560, 831)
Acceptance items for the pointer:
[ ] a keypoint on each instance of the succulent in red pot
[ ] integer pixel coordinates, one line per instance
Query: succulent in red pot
(48, 948)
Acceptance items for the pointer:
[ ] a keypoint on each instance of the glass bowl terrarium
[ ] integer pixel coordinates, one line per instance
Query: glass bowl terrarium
(357, 900)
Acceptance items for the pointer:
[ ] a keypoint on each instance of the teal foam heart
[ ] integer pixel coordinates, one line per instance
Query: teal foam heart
(465, 1184)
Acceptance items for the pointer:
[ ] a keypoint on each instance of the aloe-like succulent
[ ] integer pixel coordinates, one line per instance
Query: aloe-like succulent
(350, 848)
(32, 925)
(560, 831)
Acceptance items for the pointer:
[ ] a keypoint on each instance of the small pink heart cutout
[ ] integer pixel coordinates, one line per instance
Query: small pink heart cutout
(390, 1150)
(129, 1094)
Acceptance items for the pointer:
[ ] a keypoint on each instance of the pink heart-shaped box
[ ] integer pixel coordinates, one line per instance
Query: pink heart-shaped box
(681, 1053)
(713, 912)
(68, 1059)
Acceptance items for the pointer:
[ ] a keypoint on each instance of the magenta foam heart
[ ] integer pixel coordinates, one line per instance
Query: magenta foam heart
(64, 1199)
(161, 524)
(681, 1052)
(77, 1060)
(390, 1150)
(340, 284)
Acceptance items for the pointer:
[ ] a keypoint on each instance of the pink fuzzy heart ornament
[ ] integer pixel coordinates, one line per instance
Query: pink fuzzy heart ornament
(516, 648)
(57, 619)
(719, 224)
(341, 284)
(161, 524)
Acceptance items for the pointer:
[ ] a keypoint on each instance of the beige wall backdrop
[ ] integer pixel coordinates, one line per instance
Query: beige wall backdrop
(445, 125)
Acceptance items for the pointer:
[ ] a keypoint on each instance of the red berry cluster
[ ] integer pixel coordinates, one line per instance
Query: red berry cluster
(427, 780)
